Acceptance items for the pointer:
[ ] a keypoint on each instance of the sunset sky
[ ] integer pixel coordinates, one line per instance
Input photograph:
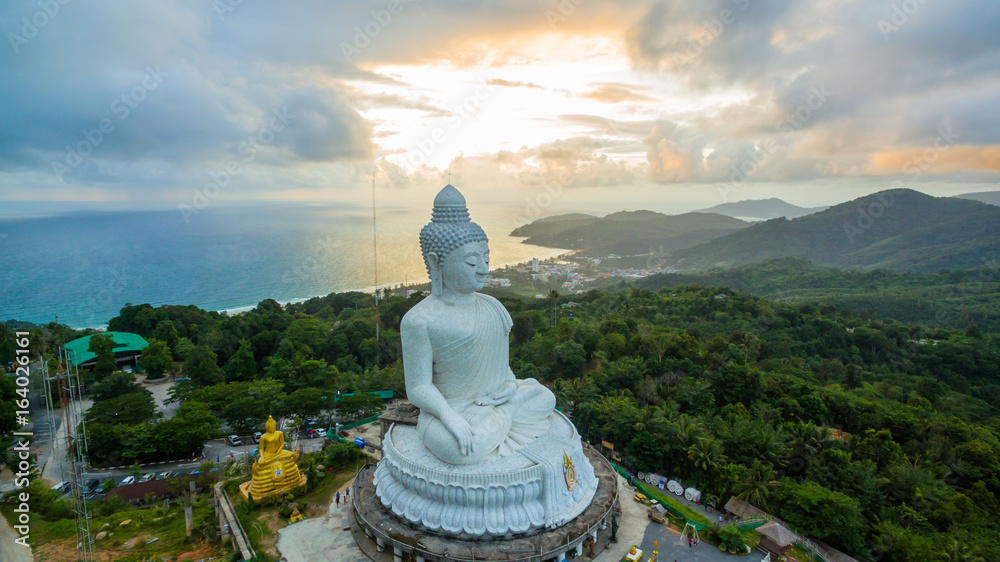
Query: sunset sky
(664, 105)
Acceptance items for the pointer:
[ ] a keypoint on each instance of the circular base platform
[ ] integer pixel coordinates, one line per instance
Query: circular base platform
(540, 486)
(397, 535)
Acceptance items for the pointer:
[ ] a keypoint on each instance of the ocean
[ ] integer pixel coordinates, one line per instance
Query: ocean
(83, 267)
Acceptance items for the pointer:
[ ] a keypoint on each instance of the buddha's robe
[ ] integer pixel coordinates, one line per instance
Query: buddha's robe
(475, 365)
(275, 470)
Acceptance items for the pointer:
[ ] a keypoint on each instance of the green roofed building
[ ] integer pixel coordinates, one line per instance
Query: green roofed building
(128, 349)
(382, 394)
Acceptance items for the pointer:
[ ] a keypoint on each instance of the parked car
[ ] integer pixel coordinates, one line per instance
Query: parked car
(164, 474)
(93, 485)
(234, 440)
(256, 437)
(310, 421)
(312, 433)
(128, 480)
(63, 487)
(147, 477)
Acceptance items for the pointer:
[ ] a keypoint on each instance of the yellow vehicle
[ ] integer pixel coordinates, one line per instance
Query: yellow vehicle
(640, 497)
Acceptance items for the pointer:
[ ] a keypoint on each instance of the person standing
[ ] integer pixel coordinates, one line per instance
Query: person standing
(338, 499)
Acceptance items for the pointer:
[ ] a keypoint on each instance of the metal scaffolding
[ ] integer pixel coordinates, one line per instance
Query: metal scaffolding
(69, 386)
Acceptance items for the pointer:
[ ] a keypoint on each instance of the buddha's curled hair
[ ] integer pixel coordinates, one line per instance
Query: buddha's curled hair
(450, 226)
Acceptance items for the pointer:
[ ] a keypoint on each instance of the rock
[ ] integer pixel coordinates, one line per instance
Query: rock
(320, 467)
(125, 522)
(105, 526)
(101, 535)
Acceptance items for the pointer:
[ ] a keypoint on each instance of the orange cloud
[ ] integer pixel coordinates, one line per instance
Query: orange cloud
(931, 160)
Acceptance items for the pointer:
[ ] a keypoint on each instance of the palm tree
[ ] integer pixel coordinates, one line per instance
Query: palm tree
(553, 301)
(955, 552)
(757, 484)
(687, 429)
(806, 439)
(706, 454)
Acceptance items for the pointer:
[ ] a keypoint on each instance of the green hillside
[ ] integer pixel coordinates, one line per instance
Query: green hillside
(901, 230)
(628, 232)
(952, 298)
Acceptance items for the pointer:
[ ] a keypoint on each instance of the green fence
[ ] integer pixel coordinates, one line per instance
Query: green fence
(649, 494)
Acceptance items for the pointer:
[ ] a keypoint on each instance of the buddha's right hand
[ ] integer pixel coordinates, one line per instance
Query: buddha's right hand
(460, 428)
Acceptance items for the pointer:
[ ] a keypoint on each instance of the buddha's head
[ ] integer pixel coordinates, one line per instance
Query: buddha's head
(270, 425)
(455, 249)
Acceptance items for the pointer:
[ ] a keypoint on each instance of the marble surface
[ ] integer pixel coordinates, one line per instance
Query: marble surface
(520, 493)
(489, 454)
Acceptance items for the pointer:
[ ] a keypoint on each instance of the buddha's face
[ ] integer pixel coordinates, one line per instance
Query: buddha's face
(466, 268)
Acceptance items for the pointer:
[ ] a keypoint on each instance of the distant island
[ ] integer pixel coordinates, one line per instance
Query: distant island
(991, 197)
(762, 209)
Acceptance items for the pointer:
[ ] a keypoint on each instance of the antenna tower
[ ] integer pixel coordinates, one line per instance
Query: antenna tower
(375, 256)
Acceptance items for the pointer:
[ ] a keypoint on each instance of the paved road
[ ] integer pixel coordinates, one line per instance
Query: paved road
(675, 547)
(321, 538)
(632, 525)
(9, 550)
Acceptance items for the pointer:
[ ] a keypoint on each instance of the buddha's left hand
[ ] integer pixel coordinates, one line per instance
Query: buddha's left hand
(501, 396)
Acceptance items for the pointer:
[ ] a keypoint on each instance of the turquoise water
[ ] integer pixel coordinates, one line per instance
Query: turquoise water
(83, 267)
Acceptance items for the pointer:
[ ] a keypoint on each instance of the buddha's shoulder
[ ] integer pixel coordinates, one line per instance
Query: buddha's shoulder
(419, 316)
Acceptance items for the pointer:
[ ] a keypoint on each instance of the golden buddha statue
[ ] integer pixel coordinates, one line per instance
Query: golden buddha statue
(275, 470)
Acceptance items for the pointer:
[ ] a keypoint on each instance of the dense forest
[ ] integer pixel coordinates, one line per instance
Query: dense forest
(732, 393)
(946, 298)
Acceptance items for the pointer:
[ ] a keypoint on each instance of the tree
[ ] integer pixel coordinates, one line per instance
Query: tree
(135, 470)
(156, 359)
(361, 405)
(130, 409)
(103, 345)
(202, 366)
(8, 409)
(107, 485)
(756, 485)
(570, 358)
(242, 366)
(184, 435)
(114, 386)
(304, 403)
(822, 513)
(166, 332)
(243, 415)
(706, 454)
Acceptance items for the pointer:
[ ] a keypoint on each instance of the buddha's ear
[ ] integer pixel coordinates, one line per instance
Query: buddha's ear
(433, 261)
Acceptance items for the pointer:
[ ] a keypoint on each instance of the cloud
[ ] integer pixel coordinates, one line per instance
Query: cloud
(511, 84)
(747, 72)
(893, 77)
(571, 162)
(673, 156)
(618, 93)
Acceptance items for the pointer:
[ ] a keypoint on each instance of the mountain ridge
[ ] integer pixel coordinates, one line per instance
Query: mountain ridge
(899, 230)
(628, 232)
(763, 209)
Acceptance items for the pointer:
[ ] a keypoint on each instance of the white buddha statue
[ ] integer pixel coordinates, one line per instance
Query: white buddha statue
(455, 350)
(489, 454)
